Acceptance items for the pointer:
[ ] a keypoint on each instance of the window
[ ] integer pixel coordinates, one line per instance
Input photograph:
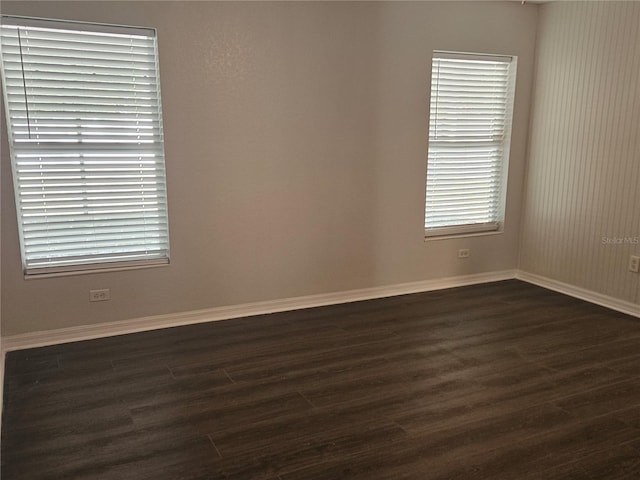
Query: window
(85, 130)
(469, 131)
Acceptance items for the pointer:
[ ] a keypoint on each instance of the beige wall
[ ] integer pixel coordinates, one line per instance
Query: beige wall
(296, 138)
(584, 161)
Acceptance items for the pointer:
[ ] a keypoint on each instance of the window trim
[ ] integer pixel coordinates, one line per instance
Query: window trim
(107, 269)
(476, 229)
(463, 229)
(81, 26)
(86, 266)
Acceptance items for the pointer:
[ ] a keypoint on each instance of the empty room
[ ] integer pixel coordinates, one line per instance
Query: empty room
(320, 240)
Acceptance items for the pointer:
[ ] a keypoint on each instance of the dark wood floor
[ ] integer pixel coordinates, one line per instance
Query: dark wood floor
(497, 381)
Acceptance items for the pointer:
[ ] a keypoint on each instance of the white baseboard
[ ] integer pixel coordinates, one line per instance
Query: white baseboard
(623, 306)
(86, 332)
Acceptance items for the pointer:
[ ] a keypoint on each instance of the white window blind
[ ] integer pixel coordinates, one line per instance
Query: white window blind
(469, 131)
(85, 130)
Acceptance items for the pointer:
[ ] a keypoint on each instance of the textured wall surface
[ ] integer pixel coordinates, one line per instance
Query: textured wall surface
(296, 140)
(582, 206)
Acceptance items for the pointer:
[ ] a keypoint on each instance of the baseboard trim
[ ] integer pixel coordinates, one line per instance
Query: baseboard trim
(623, 306)
(87, 332)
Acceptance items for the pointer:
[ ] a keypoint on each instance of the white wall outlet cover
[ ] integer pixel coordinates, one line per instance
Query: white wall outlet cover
(99, 295)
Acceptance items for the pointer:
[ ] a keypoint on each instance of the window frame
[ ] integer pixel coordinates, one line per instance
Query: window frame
(85, 265)
(497, 225)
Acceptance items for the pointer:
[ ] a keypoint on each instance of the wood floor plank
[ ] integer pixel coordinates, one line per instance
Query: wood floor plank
(496, 381)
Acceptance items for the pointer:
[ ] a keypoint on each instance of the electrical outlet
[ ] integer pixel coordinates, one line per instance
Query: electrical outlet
(464, 253)
(634, 264)
(99, 295)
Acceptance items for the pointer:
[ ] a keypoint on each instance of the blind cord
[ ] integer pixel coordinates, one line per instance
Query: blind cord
(24, 84)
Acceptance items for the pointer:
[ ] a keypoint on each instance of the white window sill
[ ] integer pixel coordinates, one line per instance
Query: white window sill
(461, 235)
(37, 276)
